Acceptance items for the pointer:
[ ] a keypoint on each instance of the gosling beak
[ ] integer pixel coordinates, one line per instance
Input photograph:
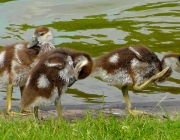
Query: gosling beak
(33, 42)
(72, 80)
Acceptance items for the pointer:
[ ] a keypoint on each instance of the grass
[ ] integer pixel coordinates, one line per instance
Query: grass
(91, 128)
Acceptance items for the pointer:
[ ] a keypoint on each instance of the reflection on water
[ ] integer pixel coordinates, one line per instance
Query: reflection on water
(99, 26)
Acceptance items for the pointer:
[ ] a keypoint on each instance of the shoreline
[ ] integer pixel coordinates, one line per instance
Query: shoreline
(165, 109)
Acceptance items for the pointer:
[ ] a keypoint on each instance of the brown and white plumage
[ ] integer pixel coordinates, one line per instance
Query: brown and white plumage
(49, 78)
(136, 66)
(16, 61)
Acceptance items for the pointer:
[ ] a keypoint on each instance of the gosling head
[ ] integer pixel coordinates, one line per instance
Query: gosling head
(83, 66)
(41, 35)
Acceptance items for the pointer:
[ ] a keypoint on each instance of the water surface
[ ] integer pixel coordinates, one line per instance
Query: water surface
(99, 26)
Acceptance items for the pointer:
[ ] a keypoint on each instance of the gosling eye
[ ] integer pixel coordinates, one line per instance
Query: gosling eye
(41, 34)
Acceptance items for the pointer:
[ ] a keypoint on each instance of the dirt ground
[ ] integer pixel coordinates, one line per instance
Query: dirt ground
(70, 112)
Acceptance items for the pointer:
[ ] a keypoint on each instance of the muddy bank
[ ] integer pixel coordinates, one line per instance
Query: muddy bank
(70, 112)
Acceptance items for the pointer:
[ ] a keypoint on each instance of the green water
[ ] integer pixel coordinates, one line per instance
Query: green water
(99, 26)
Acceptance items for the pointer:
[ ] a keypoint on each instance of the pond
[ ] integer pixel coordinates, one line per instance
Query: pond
(97, 27)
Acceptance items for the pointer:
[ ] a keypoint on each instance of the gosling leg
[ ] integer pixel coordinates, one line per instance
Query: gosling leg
(58, 106)
(8, 98)
(128, 103)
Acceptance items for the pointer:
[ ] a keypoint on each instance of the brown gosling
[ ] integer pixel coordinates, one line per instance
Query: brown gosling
(135, 66)
(54, 72)
(16, 61)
